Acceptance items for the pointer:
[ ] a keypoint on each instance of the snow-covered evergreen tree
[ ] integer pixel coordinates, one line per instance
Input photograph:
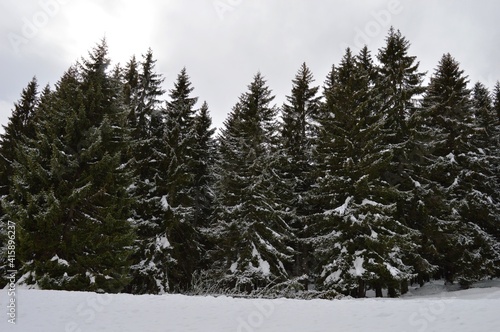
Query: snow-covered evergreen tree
(20, 125)
(204, 156)
(365, 187)
(248, 228)
(180, 189)
(130, 85)
(483, 203)
(298, 134)
(496, 144)
(152, 258)
(458, 203)
(68, 194)
(360, 241)
(399, 86)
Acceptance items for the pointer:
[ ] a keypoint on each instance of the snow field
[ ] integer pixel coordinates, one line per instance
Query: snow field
(51, 311)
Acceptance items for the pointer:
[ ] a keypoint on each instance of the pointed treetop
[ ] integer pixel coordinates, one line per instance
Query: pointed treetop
(345, 71)
(259, 94)
(131, 72)
(150, 81)
(98, 61)
(365, 63)
(496, 99)
(301, 86)
(182, 90)
(448, 81)
(396, 45)
(331, 80)
(482, 105)
(204, 121)
(23, 111)
(397, 66)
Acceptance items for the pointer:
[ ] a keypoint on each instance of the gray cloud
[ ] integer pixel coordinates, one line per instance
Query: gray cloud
(223, 43)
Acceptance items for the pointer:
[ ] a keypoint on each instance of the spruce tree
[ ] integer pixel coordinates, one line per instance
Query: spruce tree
(399, 85)
(360, 241)
(335, 155)
(20, 124)
(179, 187)
(496, 100)
(204, 156)
(457, 242)
(152, 258)
(130, 86)
(248, 228)
(496, 141)
(68, 194)
(298, 134)
(483, 205)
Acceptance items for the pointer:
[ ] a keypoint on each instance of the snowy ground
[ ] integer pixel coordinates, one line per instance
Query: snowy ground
(431, 308)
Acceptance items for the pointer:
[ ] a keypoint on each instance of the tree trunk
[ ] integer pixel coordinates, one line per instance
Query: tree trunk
(404, 286)
(361, 288)
(392, 291)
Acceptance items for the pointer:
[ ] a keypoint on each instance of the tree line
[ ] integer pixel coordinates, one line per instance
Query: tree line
(373, 181)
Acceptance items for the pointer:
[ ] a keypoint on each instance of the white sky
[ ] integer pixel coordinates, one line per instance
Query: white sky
(223, 43)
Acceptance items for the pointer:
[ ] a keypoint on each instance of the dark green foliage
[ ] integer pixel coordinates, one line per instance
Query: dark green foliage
(298, 133)
(250, 233)
(185, 135)
(361, 241)
(460, 184)
(399, 83)
(152, 258)
(131, 84)
(20, 125)
(496, 100)
(68, 192)
(495, 147)
(377, 183)
(204, 157)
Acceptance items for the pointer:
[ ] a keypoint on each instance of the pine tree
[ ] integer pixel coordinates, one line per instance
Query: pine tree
(483, 205)
(180, 189)
(459, 245)
(399, 84)
(250, 234)
(131, 85)
(152, 258)
(68, 194)
(298, 133)
(204, 156)
(496, 142)
(19, 125)
(336, 154)
(360, 240)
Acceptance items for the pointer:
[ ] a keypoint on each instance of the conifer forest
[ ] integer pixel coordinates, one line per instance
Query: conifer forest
(378, 176)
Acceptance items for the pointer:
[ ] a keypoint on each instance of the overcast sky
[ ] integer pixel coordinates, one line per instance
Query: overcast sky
(223, 43)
